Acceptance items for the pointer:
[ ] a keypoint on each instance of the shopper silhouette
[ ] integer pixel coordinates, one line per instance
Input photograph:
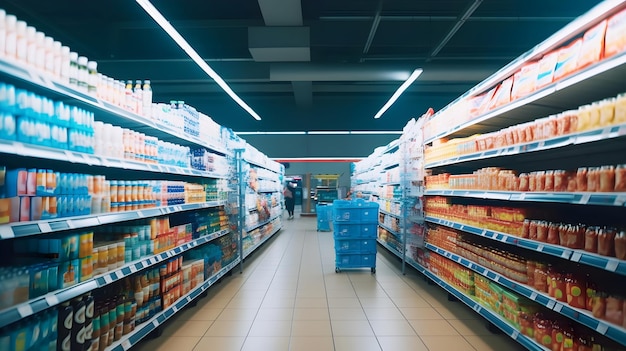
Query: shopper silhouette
(290, 201)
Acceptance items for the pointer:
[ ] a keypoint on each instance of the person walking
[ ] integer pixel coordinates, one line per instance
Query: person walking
(290, 201)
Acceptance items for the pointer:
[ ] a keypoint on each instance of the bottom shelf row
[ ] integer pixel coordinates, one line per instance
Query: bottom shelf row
(120, 314)
(532, 325)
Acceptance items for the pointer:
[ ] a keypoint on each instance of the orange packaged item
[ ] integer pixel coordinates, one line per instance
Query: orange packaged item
(549, 183)
(614, 309)
(606, 241)
(593, 179)
(581, 179)
(607, 112)
(545, 70)
(620, 245)
(553, 234)
(560, 180)
(474, 104)
(484, 104)
(567, 59)
(503, 95)
(575, 290)
(615, 37)
(566, 122)
(607, 179)
(542, 231)
(525, 80)
(591, 239)
(592, 45)
(620, 109)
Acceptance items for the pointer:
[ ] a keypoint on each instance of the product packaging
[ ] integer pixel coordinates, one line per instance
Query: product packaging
(615, 37)
(592, 45)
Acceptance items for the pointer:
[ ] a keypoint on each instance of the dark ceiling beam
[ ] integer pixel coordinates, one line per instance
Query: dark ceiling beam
(459, 22)
(373, 29)
(401, 18)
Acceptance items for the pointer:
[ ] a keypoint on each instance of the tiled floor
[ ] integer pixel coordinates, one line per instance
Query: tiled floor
(290, 298)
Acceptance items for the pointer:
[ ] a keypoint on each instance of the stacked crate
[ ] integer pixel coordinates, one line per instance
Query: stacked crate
(324, 216)
(355, 227)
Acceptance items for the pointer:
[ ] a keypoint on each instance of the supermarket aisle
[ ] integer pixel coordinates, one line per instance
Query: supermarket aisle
(290, 298)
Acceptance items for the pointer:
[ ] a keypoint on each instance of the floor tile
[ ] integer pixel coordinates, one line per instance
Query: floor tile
(467, 327)
(335, 293)
(222, 343)
(402, 343)
(266, 343)
(178, 343)
(275, 314)
(352, 343)
(433, 327)
(198, 314)
(311, 328)
(383, 314)
(351, 328)
(277, 302)
(311, 343)
(493, 343)
(311, 314)
(405, 293)
(311, 302)
(229, 328)
(237, 314)
(447, 343)
(457, 311)
(271, 328)
(420, 313)
(344, 302)
(392, 328)
(410, 302)
(376, 302)
(347, 314)
(187, 328)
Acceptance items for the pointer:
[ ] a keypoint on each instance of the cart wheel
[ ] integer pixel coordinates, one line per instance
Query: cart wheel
(337, 270)
(373, 270)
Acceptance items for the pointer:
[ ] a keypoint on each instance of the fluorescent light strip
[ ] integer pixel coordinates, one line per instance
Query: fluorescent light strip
(354, 132)
(399, 92)
(169, 29)
(328, 132)
(318, 159)
(376, 132)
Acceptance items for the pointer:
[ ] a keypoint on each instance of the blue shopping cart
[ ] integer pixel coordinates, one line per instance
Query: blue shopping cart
(355, 225)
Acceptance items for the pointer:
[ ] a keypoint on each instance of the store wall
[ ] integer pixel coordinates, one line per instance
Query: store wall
(302, 168)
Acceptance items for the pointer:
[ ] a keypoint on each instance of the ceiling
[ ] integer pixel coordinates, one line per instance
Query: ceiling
(305, 65)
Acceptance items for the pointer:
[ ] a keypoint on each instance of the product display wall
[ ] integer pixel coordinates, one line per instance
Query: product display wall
(115, 211)
(523, 195)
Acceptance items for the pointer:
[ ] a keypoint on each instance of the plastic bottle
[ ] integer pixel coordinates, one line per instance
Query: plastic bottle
(49, 56)
(21, 43)
(73, 69)
(31, 45)
(82, 73)
(58, 58)
(92, 77)
(147, 98)
(40, 59)
(65, 321)
(65, 64)
(129, 98)
(11, 37)
(138, 94)
(3, 32)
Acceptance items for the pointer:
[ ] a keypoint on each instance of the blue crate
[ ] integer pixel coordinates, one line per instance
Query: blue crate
(355, 246)
(323, 225)
(355, 230)
(324, 216)
(355, 211)
(343, 261)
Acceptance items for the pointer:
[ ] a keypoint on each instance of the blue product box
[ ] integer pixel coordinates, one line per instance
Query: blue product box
(7, 126)
(69, 273)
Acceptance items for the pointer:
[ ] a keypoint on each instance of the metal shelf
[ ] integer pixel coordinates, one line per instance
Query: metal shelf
(581, 198)
(259, 164)
(256, 246)
(490, 316)
(38, 304)
(394, 232)
(610, 264)
(22, 229)
(391, 249)
(144, 329)
(253, 227)
(42, 83)
(37, 151)
(390, 213)
(606, 133)
(593, 83)
(584, 317)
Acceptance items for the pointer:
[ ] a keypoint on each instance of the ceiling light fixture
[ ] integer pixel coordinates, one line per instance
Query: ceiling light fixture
(270, 133)
(399, 92)
(173, 33)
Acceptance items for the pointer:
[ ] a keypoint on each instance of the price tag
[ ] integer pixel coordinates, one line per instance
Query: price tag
(476, 308)
(155, 323)
(540, 248)
(150, 262)
(576, 256)
(52, 300)
(6, 232)
(44, 227)
(175, 308)
(107, 279)
(611, 265)
(126, 345)
(585, 199)
(558, 307)
(496, 278)
(522, 196)
(620, 200)
(471, 265)
(503, 238)
(550, 304)
(25, 310)
(484, 232)
(602, 328)
(19, 149)
(133, 268)
(140, 214)
(565, 254)
(515, 334)
(70, 224)
(462, 227)
(533, 296)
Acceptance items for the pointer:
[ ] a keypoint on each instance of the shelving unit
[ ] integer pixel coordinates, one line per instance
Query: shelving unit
(583, 147)
(21, 154)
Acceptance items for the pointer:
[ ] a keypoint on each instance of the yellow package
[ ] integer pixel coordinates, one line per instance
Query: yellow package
(615, 37)
(592, 45)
